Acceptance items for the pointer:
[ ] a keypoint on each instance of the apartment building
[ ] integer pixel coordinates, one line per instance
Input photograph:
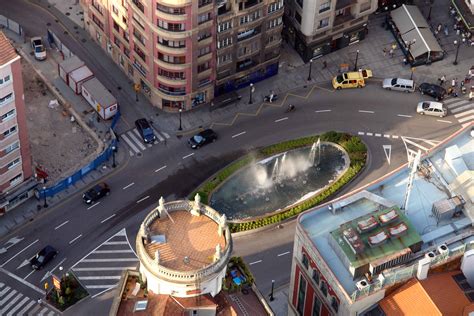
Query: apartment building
(15, 156)
(170, 48)
(318, 27)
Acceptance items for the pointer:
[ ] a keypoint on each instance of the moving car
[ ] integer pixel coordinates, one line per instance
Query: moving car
(431, 108)
(353, 79)
(398, 84)
(96, 193)
(44, 256)
(432, 90)
(38, 48)
(204, 137)
(145, 130)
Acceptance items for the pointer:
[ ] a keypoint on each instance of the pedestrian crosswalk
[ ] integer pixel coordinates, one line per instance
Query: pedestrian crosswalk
(462, 110)
(101, 269)
(135, 143)
(15, 303)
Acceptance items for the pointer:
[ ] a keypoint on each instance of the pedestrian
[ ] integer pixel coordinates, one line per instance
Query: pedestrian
(384, 52)
(446, 30)
(453, 83)
(391, 52)
(440, 26)
(325, 64)
(471, 94)
(442, 80)
(405, 61)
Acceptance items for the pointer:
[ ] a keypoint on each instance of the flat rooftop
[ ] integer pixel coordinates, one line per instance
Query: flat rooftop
(320, 222)
(185, 235)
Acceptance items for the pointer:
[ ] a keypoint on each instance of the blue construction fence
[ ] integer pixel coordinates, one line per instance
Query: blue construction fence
(80, 174)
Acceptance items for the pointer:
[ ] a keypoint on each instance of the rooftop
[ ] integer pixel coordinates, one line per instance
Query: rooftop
(7, 52)
(188, 242)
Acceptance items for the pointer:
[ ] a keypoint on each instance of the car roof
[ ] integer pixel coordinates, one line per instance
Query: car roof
(207, 132)
(142, 122)
(434, 104)
(404, 81)
(48, 248)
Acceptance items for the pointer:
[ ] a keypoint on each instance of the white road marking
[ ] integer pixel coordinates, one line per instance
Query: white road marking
(255, 262)
(75, 239)
(395, 136)
(365, 111)
(20, 304)
(161, 168)
(28, 275)
(445, 121)
(130, 143)
(369, 134)
(107, 218)
(415, 144)
(361, 133)
(143, 199)
(47, 274)
(282, 119)
(6, 298)
(34, 242)
(137, 138)
(100, 293)
(187, 156)
(93, 205)
(387, 149)
(128, 186)
(467, 118)
(454, 104)
(239, 134)
(27, 307)
(61, 225)
(115, 243)
(114, 251)
(464, 113)
(158, 135)
(386, 135)
(111, 260)
(100, 286)
(24, 263)
(101, 277)
(461, 108)
(322, 111)
(14, 276)
(403, 115)
(283, 253)
(166, 134)
(378, 135)
(105, 269)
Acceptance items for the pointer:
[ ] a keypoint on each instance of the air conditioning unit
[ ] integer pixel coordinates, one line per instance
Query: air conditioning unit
(430, 255)
(362, 284)
(443, 249)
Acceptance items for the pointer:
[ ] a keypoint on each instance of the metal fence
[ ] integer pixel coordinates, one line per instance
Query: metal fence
(11, 25)
(54, 40)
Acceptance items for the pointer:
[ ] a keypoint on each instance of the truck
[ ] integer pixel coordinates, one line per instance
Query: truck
(353, 79)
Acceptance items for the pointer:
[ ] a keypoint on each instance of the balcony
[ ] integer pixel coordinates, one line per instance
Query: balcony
(341, 19)
(245, 65)
(139, 5)
(341, 4)
(242, 36)
(171, 81)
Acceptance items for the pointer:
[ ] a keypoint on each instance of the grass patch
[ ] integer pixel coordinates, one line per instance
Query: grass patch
(70, 293)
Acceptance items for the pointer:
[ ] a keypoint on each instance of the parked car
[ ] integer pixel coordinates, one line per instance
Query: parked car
(432, 90)
(44, 256)
(38, 48)
(398, 84)
(202, 138)
(145, 130)
(431, 108)
(96, 193)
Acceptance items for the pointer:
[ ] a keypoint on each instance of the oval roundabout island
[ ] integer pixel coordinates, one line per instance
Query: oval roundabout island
(278, 182)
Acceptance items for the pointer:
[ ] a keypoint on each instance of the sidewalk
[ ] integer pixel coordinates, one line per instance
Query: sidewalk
(280, 303)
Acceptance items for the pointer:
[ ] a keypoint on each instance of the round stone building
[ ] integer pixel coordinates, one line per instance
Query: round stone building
(184, 247)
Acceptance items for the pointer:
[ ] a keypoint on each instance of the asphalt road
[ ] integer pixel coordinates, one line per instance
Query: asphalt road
(174, 170)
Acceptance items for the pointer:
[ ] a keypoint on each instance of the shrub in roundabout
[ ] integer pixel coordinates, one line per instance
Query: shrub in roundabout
(354, 146)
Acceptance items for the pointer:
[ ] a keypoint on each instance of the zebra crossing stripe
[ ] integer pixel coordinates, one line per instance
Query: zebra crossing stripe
(464, 113)
(467, 118)
(415, 144)
(157, 134)
(129, 143)
(34, 310)
(27, 307)
(20, 304)
(135, 136)
(450, 100)
(44, 310)
(166, 134)
(12, 301)
(462, 108)
(4, 291)
(6, 298)
(453, 105)
(101, 277)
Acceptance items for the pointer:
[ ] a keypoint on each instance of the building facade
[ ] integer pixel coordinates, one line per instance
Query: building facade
(15, 155)
(318, 27)
(170, 48)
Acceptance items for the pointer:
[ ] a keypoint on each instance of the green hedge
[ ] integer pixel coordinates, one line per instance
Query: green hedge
(354, 146)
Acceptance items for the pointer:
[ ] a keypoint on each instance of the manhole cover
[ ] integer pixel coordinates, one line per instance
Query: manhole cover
(67, 13)
(139, 155)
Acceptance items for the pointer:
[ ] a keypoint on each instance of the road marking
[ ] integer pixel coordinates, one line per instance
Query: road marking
(158, 135)
(100, 293)
(14, 276)
(378, 135)
(464, 113)
(187, 156)
(6, 298)
(255, 262)
(101, 277)
(110, 260)
(161, 168)
(369, 134)
(322, 111)
(403, 115)
(395, 136)
(137, 138)
(386, 135)
(283, 253)
(128, 186)
(387, 149)
(444, 121)
(467, 118)
(455, 104)
(143, 199)
(100, 286)
(93, 205)
(107, 218)
(165, 134)
(365, 111)
(34, 242)
(114, 251)
(282, 119)
(75, 239)
(415, 144)
(29, 274)
(116, 243)
(48, 274)
(12, 241)
(61, 225)
(461, 108)
(20, 304)
(105, 269)
(361, 133)
(239, 134)
(130, 143)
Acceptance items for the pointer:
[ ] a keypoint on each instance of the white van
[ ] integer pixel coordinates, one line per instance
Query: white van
(398, 84)
(431, 108)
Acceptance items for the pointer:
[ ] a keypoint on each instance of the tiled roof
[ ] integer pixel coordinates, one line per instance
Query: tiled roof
(7, 52)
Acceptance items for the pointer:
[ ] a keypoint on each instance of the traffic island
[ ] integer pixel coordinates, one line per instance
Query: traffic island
(66, 292)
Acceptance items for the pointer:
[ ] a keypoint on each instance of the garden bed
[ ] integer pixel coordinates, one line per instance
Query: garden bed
(71, 292)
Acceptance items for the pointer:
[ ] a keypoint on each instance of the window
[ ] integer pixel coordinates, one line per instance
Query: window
(5, 80)
(11, 147)
(324, 288)
(17, 179)
(139, 5)
(115, 10)
(6, 99)
(316, 306)
(171, 75)
(316, 276)
(126, 52)
(301, 295)
(98, 22)
(334, 304)
(250, 17)
(275, 22)
(224, 59)
(204, 51)
(170, 43)
(172, 59)
(324, 6)
(170, 10)
(124, 20)
(116, 26)
(202, 18)
(9, 131)
(173, 27)
(204, 35)
(139, 21)
(249, 49)
(224, 26)
(324, 22)
(140, 53)
(13, 163)
(202, 3)
(98, 7)
(7, 115)
(300, 3)
(305, 261)
(139, 37)
(224, 42)
(117, 41)
(203, 67)
(298, 17)
(173, 104)
(126, 37)
(172, 90)
(275, 6)
(204, 82)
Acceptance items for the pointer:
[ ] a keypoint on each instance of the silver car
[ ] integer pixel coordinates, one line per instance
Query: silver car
(431, 108)
(398, 84)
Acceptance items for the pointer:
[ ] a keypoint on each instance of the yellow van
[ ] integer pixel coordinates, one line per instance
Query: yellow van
(354, 79)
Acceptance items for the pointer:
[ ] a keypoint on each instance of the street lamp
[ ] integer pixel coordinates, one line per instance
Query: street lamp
(44, 195)
(271, 293)
(252, 89)
(113, 156)
(355, 63)
(429, 13)
(457, 44)
(412, 71)
(180, 126)
(409, 43)
(310, 68)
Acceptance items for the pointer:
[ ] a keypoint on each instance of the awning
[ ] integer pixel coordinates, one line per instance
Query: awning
(414, 29)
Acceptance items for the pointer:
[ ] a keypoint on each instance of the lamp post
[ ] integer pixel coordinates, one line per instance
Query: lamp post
(412, 71)
(252, 89)
(180, 126)
(271, 293)
(44, 195)
(310, 68)
(113, 156)
(457, 44)
(357, 58)
(429, 13)
(409, 43)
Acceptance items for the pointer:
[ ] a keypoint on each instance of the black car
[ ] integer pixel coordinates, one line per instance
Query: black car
(97, 192)
(145, 130)
(432, 90)
(203, 138)
(43, 257)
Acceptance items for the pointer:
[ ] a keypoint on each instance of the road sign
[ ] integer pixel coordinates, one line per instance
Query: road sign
(56, 283)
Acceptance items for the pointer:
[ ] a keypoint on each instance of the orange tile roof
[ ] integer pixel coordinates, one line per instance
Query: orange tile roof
(439, 294)
(7, 52)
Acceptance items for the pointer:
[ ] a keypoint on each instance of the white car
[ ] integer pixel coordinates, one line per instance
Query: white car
(431, 108)
(38, 48)
(398, 84)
